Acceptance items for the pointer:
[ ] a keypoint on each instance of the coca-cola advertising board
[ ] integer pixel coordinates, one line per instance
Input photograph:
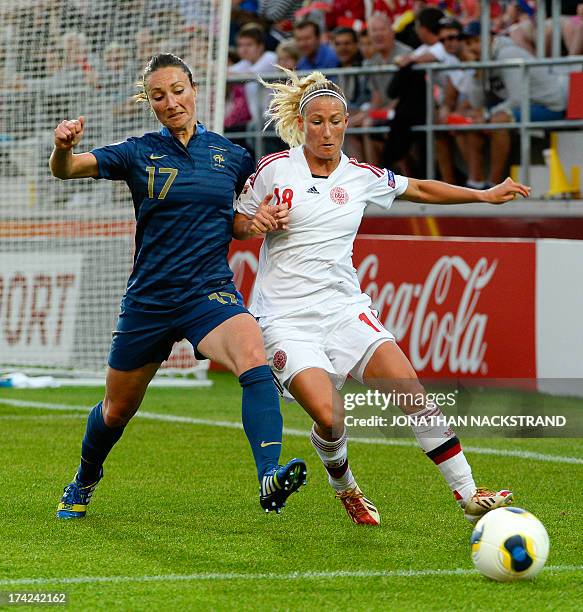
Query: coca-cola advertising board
(458, 308)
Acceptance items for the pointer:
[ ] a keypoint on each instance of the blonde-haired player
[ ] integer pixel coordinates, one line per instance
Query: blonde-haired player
(318, 326)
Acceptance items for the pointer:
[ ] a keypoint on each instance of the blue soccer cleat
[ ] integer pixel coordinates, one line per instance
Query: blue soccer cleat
(75, 499)
(279, 483)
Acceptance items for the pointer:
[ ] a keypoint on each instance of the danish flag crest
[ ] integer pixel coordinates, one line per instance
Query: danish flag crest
(339, 196)
(279, 360)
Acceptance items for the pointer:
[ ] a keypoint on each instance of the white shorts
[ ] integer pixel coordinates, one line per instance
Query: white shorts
(340, 341)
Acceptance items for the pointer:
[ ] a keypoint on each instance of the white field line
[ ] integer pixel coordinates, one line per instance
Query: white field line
(170, 418)
(424, 573)
(37, 417)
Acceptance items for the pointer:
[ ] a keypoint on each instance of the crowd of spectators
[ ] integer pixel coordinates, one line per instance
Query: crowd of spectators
(399, 34)
(67, 41)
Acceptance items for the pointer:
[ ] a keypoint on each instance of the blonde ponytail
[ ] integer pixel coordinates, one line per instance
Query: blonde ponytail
(286, 98)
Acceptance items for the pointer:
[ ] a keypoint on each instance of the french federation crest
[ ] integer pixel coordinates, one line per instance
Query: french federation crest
(218, 159)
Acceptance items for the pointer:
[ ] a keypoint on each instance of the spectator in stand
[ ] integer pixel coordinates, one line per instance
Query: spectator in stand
(254, 60)
(145, 48)
(116, 71)
(237, 113)
(346, 14)
(345, 42)
(499, 98)
(287, 54)
(116, 83)
(11, 81)
(242, 16)
(571, 27)
(356, 13)
(470, 10)
(315, 55)
(279, 10)
(452, 103)
(440, 38)
(409, 88)
(387, 49)
(77, 60)
(517, 22)
(365, 45)
(354, 85)
(393, 8)
(427, 27)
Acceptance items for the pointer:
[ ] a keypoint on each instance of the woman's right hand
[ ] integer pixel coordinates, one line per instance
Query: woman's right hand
(69, 133)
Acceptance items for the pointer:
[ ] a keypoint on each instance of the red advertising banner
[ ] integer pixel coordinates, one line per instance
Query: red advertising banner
(457, 308)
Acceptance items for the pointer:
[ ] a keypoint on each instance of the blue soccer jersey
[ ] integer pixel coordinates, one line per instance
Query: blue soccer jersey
(183, 201)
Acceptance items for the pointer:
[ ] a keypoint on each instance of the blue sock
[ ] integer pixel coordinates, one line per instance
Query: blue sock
(262, 420)
(98, 441)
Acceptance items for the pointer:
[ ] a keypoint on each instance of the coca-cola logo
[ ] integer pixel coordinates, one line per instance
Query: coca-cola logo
(440, 313)
(454, 337)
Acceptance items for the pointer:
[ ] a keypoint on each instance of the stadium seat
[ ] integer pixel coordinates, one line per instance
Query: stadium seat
(575, 97)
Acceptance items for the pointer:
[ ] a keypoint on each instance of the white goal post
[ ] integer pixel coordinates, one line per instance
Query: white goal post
(66, 247)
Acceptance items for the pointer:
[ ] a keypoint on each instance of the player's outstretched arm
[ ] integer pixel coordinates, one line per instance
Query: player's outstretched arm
(64, 163)
(266, 219)
(437, 192)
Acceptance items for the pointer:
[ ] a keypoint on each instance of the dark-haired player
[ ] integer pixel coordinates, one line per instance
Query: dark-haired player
(182, 180)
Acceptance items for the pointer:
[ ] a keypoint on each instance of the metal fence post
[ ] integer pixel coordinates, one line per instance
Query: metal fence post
(556, 15)
(541, 15)
(259, 144)
(485, 28)
(524, 121)
(430, 152)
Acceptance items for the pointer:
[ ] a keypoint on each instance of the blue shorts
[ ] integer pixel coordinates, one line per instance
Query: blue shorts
(538, 112)
(146, 334)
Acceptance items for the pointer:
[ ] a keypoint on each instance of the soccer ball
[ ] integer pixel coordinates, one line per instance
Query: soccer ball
(509, 544)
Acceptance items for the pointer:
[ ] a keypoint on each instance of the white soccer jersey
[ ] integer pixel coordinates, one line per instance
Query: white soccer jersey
(311, 261)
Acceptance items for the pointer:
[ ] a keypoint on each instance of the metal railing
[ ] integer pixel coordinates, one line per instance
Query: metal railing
(524, 126)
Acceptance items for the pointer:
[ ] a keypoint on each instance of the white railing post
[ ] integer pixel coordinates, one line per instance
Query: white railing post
(430, 152)
(556, 15)
(524, 120)
(541, 15)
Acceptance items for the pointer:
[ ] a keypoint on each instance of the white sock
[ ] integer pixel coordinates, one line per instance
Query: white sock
(442, 446)
(475, 184)
(334, 456)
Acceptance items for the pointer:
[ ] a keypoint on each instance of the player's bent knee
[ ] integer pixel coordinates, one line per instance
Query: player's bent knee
(411, 395)
(250, 357)
(118, 413)
(330, 420)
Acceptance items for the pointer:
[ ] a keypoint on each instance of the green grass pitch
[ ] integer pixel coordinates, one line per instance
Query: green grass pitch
(176, 523)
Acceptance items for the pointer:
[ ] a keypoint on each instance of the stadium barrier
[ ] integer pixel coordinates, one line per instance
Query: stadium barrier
(524, 126)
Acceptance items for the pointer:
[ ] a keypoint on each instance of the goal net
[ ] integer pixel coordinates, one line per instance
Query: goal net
(66, 247)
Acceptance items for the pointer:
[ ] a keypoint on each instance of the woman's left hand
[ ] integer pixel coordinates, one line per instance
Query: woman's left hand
(281, 215)
(505, 191)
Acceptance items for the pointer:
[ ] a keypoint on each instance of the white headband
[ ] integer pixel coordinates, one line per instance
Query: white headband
(321, 92)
